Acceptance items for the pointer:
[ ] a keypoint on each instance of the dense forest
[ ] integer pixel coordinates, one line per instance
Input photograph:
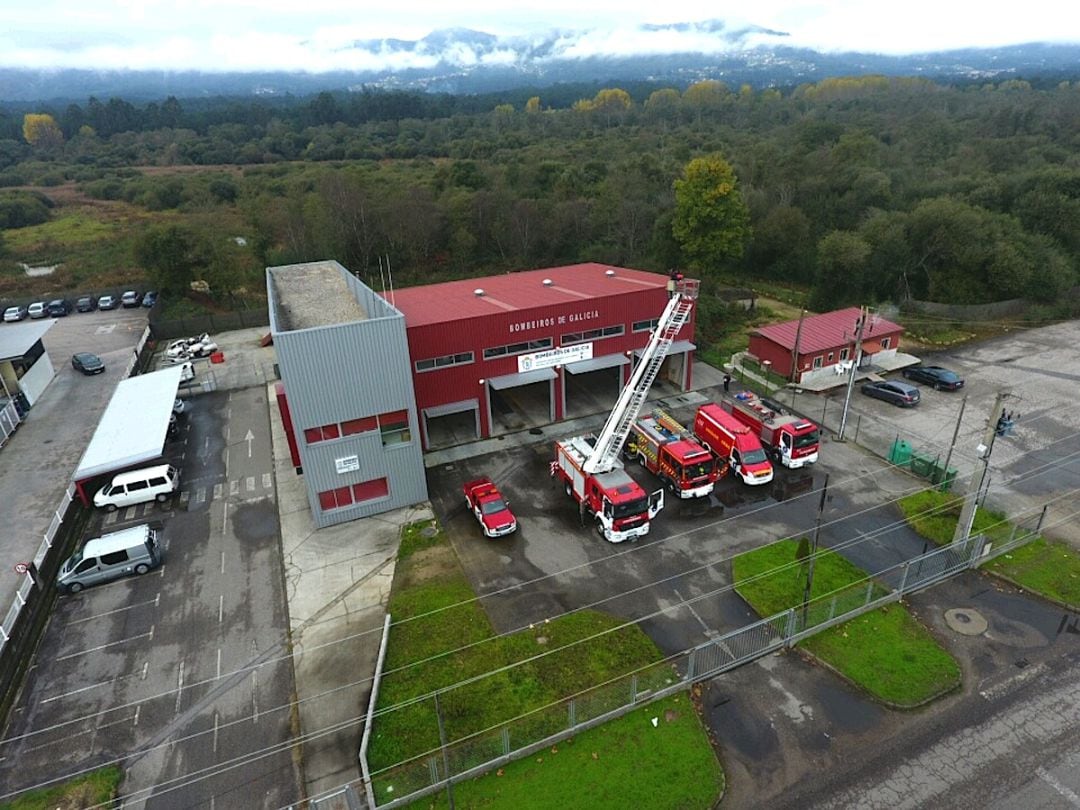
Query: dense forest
(860, 190)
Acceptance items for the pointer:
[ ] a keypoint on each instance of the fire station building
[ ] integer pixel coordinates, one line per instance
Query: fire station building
(441, 364)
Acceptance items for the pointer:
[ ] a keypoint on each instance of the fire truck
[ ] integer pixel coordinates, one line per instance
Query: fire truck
(789, 439)
(589, 466)
(730, 439)
(670, 452)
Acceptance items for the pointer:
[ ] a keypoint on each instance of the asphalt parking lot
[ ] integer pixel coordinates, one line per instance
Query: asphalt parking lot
(184, 671)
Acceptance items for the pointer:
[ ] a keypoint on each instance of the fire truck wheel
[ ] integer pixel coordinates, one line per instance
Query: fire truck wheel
(599, 527)
(569, 490)
(641, 459)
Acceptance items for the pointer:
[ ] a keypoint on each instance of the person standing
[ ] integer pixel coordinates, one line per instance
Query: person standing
(727, 382)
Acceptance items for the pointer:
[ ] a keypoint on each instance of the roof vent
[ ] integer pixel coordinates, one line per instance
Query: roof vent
(609, 273)
(478, 292)
(548, 282)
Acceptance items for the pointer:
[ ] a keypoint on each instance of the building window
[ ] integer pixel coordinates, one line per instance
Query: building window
(593, 334)
(817, 361)
(830, 357)
(646, 326)
(370, 490)
(354, 426)
(517, 348)
(322, 434)
(885, 342)
(843, 355)
(432, 363)
(394, 427)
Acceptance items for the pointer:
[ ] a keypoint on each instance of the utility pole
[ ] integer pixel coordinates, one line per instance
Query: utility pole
(978, 475)
(795, 348)
(956, 431)
(860, 324)
(813, 551)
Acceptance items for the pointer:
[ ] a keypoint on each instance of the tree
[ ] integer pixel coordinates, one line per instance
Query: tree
(532, 106)
(711, 222)
(41, 131)
(841, 271)
(170, 254)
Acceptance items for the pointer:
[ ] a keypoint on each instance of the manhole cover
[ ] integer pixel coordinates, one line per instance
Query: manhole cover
(965, 621)
(429, 531)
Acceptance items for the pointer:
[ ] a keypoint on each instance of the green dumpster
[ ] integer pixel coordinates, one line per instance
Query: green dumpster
(900, 453)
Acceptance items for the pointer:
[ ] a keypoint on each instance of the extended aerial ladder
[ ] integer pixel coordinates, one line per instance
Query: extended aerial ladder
(609, 444)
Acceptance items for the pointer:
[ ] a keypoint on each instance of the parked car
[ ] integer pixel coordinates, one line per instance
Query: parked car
(108, 302)
(36, 309)
(186, 348)
(489, 508)
(86, 304)
(12, 314)
(57, 308)
(87, 363)
(894, 391)
(938, 378)
(129, 551)
(150, 298)
(130, 299)
(187, 372)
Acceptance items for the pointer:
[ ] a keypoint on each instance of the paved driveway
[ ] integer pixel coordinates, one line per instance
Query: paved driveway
(182, 675)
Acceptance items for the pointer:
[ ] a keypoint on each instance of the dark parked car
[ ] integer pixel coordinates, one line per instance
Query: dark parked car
(86, 304)
(898, 393)
(108, 302)
(57, 308)
(87, 363)
(130, 299)
(150, 298)
(936, 377)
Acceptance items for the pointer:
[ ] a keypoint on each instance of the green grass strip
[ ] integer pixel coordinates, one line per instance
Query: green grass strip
(887, 651)
(92, 789)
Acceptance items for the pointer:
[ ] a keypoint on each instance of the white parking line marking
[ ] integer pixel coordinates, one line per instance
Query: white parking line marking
(226, 462)
(215, 730)
(1064, 790)
(149, 635)
(218, 663)
(220, 614)
(224, 517)
(255, 696)
(268, 481)
(129, 513)
(223, 562)
(145, 668)
(82, 689)
(200, 495)
(110, 518)
(179, 687)
(184, 496)
(137, 715)
(234, 487)
(250, 483)
(226, 434)
(217, 491)
(117, 610)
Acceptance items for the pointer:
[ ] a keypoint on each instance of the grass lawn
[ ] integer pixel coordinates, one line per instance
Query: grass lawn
(627, 762)
(429, 584)
(887, 651)
(1041, 566)
(96, 788)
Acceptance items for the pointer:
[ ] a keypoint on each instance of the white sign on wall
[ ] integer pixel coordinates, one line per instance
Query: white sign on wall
(347, 464)
(554, 357)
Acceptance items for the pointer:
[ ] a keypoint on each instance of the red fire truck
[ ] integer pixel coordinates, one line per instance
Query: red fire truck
(733, 441)
(670, 452)
(590, 467)
(789, 439)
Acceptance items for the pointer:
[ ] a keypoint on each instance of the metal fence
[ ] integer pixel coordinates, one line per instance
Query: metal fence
(197, 324)
(9, 420)
(472, 755)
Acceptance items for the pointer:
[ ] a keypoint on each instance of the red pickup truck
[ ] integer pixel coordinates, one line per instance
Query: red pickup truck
(489, 508)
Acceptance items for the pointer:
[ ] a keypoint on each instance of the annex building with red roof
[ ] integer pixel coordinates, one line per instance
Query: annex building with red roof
(818, 349)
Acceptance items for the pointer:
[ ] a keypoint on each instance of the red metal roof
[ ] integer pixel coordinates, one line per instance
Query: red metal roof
(828, 330)
(523, 290)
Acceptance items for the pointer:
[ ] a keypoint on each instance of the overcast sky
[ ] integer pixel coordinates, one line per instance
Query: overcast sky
(314, 34)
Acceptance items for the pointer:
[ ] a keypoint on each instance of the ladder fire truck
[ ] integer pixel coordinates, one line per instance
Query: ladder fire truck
(590, 467)
(673, 454)
(790, 439)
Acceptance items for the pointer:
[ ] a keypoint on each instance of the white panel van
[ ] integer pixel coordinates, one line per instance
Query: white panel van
(139, 486)
(130, 551)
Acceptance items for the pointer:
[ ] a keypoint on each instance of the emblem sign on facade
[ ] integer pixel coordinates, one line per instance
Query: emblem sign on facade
(554, 357)
(347, 464)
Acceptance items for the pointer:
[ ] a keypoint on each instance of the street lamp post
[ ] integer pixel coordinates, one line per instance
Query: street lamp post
(766, 364)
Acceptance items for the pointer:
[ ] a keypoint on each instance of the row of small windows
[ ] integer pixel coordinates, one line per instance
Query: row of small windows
(593, 334)
(393, 426)
(646, 326)
(819, 361)
(459, 359)
(357, 493)
(517, 348)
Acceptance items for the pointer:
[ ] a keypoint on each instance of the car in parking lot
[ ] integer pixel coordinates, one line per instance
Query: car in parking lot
(12, 314)
(130, 299)
(57, 308)
(36, 309)
(150, 298)
(108, 302)
(87, 363)
(86, 304)
(938, 378)
(894, 391)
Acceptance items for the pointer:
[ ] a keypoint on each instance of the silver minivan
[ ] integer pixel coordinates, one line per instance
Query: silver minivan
(139, 486)
(129, 551)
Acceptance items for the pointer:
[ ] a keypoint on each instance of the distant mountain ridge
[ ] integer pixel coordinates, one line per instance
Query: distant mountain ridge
(462, 60)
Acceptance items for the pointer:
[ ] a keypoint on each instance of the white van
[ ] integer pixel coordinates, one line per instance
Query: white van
(139, 486)
(130, 551)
